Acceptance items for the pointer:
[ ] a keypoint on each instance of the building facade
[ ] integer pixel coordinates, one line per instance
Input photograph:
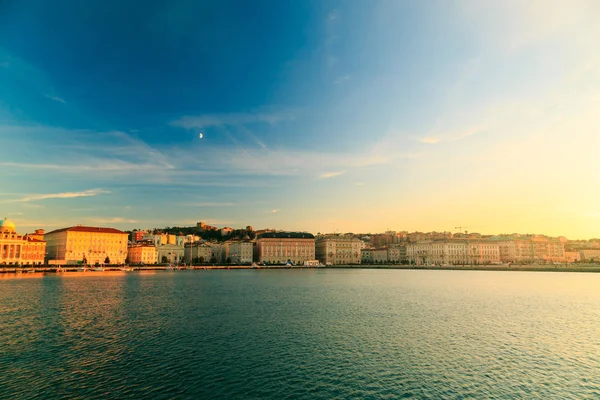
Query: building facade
(590, 255)
(169, 253)
(18, 249)
(86, 245)
(198, 253)
(338, 250)
(142, 254)
(240, 252)
(374, 256)
(530, 249)
(283, 247)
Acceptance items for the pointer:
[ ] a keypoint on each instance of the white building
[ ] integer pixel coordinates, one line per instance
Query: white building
(241, 252)
(461, 251)
(169, 253)
(338, 250)
(198, 252)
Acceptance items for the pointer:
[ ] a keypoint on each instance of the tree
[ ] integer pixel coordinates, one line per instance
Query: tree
(107, 260)
(164, 259)
(127, 260)
(213, 260)
(228, 260)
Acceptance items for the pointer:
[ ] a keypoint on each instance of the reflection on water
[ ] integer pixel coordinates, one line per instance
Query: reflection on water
(301, 334)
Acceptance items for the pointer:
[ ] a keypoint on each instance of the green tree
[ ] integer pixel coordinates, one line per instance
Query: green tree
(164, 259)
(107, 260)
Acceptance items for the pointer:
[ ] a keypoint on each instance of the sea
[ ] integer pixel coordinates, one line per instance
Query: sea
(301, 334)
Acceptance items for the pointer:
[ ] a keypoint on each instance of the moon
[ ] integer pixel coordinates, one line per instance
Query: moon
(200, 136)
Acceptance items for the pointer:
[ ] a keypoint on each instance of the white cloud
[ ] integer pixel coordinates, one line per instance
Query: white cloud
(327, 175)
(429, 140)
(64, 195)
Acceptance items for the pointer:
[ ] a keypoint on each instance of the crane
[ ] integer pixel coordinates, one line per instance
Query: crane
(460, 228)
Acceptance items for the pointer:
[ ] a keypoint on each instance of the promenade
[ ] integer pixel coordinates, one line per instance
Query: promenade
(132, 269)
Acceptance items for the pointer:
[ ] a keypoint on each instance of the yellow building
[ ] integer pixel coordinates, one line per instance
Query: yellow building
(281, 247)
(86, 244)
(142, 254)
(18, 249)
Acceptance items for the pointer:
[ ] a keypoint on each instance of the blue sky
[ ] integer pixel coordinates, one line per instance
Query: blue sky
(315, 115)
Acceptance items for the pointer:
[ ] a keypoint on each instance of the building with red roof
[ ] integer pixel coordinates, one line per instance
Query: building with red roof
(86, 245)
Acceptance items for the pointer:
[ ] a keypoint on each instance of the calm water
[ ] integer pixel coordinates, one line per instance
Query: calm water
(305, 334)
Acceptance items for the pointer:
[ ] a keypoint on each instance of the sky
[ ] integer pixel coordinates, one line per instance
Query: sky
(318, 116)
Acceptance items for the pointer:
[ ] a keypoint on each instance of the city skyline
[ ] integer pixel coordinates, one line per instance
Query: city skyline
(319, 116)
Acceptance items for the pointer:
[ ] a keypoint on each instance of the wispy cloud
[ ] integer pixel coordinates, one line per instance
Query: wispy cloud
(64, 195)
(211, 204)
(56, 98)
(429, 140)
(452, 135)
(113, 220)
(327, 175)
(233, 119)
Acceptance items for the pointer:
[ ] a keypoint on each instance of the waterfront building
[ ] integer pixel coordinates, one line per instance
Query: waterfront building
(590, 255)
(530, 249)
(142, 253)
(338, 250)
(198, 252)
(396, 253)
(455, 251)
(438, 252)
(219, 251)
(572, 256)
(169, 253)
(87, 245)
(483, 252)
(18, 249)
(240, 252)
(374, 256)
(281, 247)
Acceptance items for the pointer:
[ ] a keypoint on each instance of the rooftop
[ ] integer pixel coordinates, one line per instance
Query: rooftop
(91, 229)
(285, 235)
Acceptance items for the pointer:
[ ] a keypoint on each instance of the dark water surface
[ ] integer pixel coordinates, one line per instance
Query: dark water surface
(305, 334)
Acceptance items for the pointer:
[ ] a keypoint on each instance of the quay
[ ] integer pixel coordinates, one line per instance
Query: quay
(71, 269)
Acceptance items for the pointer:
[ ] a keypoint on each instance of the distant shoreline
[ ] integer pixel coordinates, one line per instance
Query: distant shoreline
(44, 270)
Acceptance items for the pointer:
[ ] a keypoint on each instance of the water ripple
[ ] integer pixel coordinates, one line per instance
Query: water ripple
(301, 335)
